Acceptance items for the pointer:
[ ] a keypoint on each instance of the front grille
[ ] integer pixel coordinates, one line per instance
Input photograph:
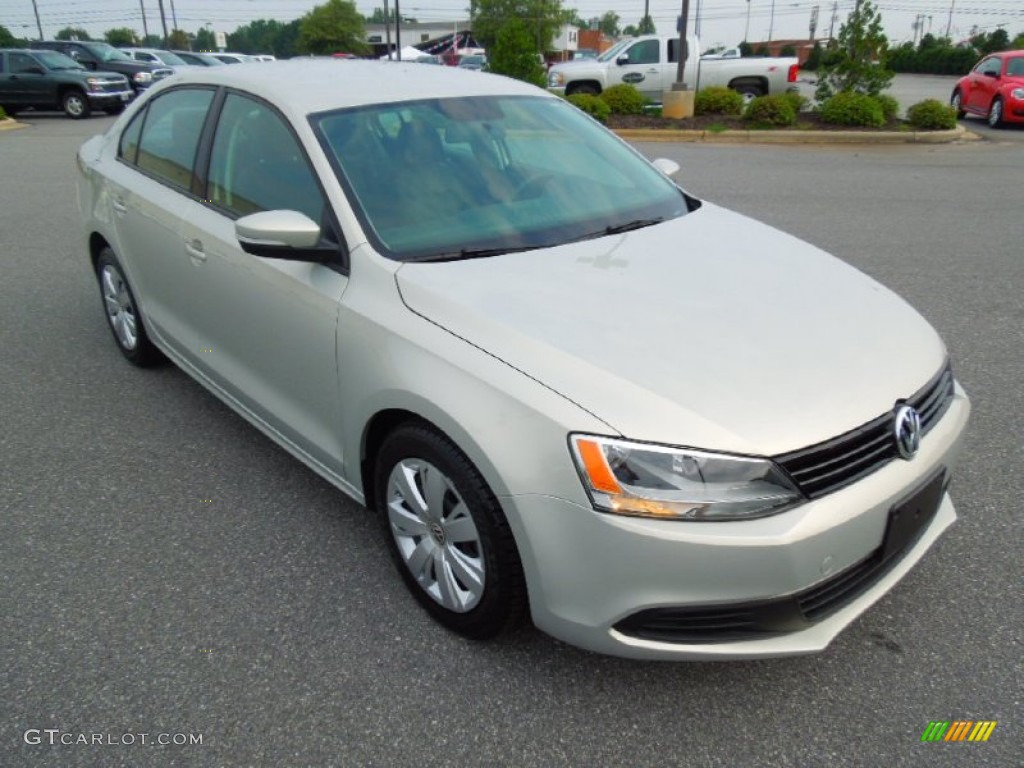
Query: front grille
(114, 86)
(828, 466)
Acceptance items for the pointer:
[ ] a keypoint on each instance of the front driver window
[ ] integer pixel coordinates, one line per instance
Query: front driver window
(644, 52)
(258, 165)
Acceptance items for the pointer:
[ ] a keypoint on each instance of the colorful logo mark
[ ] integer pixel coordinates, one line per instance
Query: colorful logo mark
(958, 730)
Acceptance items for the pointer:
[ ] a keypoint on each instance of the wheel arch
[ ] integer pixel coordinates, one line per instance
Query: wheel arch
(97, 243)
(753, 81)
(583, 86)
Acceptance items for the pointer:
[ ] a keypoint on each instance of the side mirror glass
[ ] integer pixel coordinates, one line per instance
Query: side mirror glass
(668, 167)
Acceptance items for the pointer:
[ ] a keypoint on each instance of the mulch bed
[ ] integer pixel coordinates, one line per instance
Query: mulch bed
(806, 121)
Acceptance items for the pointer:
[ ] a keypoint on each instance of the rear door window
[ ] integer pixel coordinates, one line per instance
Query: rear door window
(169, 135)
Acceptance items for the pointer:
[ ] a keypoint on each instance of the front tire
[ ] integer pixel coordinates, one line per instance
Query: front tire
(448, 534)
(995, 113)
(122, 312)
(956, 101)
(76, 105)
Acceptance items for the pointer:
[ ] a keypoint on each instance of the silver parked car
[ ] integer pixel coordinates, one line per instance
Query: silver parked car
(569, 388)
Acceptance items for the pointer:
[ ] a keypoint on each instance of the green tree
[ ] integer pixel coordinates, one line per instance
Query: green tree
(178, 40)
(859, 62)
(514, 53)
(334, 26)
(72, 33)
(120, 36)
(630, 30)
(746, 49)
(205, 41)
(646, 26)
(999, 40)
(7, 40)
(541, 18)
(152, 41)
(573, 18)
(1018, 42)
(609, 24)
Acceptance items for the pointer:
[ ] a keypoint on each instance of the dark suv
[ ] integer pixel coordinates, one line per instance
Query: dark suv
(101, 56)
(51, 80)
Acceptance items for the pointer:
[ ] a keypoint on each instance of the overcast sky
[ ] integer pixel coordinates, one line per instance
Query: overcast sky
(721, 21)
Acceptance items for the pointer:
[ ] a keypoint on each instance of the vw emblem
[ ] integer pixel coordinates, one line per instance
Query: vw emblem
(906, 429)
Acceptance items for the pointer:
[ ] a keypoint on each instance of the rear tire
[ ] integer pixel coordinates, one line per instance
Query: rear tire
(76, 105)
(956, 102)
(123, 316)
(748, 92)
(448, 534)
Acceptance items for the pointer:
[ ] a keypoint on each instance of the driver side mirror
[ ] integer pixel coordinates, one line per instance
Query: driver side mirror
(288, 235)
(623, 59)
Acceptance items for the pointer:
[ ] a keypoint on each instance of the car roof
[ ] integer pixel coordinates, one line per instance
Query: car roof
(316, 85)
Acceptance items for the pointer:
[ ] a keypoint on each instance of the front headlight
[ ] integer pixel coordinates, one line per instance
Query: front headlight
(645, 480)
(94, 83)
(555, 79)
(142, 77)
(1018, 93)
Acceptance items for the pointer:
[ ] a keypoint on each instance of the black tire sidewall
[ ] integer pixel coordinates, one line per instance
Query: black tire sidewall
(504, 599)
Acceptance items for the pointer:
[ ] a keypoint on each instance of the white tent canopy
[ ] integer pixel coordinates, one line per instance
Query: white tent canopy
(408, 54)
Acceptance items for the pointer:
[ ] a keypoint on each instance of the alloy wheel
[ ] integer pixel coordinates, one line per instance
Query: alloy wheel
(120, 307)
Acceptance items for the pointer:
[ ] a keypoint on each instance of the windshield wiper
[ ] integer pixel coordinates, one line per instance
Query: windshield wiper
(618, 229)
(475, 253)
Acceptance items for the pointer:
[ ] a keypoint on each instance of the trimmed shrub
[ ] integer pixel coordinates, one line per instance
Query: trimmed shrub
(890, 107)
(770, 112)
(718, 100)
(624, 99)
(932, 115)
(594, 106)
(3, 115)
(852, 108)
(795, 100)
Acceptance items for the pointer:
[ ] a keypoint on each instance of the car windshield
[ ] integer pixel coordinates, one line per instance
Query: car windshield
(55, 60)
(108, 52)
(169, 58)
(478, 176)
(613, 52)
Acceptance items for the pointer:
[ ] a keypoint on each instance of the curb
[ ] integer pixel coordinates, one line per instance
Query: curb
(10, 124)
(797, 137)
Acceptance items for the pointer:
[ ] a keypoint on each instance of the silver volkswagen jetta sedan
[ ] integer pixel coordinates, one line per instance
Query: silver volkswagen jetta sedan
(567, 387)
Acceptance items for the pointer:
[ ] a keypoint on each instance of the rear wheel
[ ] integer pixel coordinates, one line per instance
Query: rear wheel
(76, 105)
(122, 312)
(448, 534)
(995, 113)
(956, 102)
(748, 91)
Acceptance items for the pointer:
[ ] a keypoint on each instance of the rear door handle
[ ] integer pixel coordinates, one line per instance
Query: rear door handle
(119, 205)
(194, 248)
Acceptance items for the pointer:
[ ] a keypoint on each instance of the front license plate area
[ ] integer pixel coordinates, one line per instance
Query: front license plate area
(908, 518)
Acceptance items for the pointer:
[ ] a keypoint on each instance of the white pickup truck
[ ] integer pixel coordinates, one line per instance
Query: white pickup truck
(649, 63)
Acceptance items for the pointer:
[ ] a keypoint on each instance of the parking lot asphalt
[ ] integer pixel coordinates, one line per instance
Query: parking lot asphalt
(168, 570)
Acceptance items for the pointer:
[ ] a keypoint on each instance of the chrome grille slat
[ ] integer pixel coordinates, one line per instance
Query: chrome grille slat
(833, 464)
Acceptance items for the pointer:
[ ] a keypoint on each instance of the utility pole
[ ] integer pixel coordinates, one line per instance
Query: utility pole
(38, 23)
(145, 27)
(387, 29)
(174, 17)
(398, 31)
(948, 23)
(832, 25)
(746, 30)
(163, 21)
(771, 23)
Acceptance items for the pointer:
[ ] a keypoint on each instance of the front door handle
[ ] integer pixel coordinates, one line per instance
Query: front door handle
(119, 205)
(194, 248)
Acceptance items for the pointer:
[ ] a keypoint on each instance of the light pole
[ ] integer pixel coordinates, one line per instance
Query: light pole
(145, 26)
(771, 23)
(746, 31)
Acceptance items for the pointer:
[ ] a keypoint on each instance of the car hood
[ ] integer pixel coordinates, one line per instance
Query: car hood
(711, 331)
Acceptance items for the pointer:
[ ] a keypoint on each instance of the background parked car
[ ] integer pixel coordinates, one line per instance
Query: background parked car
(475, 61)
(994, 89)
(199, 59)
(232, 58)
(103, 57)
(158, 57)
(51, 80)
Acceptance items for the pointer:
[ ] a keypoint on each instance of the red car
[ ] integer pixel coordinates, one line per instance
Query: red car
(994, 89)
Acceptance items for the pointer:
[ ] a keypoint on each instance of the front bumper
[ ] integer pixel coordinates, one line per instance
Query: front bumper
(110, 98)
(589, 571)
